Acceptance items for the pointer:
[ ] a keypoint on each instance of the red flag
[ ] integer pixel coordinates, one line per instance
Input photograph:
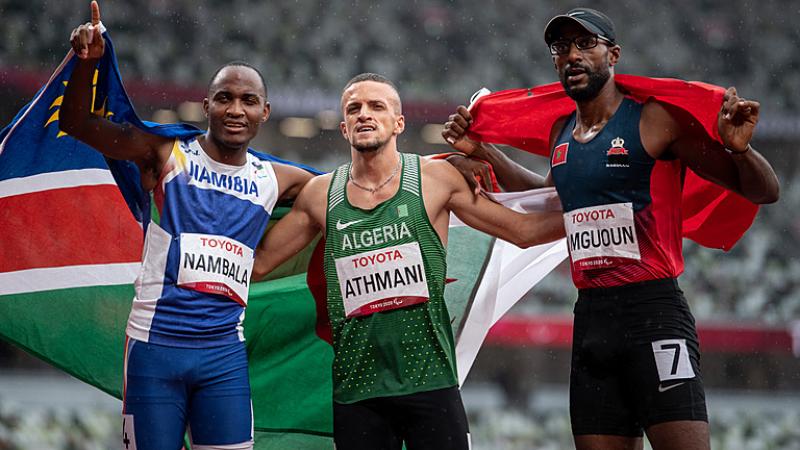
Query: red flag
(712, 216)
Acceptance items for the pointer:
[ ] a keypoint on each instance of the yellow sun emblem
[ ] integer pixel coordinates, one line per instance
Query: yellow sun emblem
(98, 112)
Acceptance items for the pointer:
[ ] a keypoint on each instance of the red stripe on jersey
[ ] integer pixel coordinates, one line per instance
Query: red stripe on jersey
(658, 230)
(67, 227)
(318, 285)
(666, 193)
(158, 197)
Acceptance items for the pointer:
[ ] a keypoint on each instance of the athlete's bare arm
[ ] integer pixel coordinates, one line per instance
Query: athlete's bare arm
(742, 170)
(291, 180)
(476, 173)
(445, 190)
(294, 231)
(510, 175)
(115, 141)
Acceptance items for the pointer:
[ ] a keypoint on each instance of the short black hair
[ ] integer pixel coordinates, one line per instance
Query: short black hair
(369, 76)
(238, 64)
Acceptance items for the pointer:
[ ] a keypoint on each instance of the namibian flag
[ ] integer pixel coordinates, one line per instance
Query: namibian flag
(71, 247)
(71, 244)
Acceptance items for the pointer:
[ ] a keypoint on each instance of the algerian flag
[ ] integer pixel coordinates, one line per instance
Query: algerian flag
(509, 272)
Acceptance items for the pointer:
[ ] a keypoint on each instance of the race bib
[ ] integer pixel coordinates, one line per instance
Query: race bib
(602, 236)
(380, 280)
(215, 265)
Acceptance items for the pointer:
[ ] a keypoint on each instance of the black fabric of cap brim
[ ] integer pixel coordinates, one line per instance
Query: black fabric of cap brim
(559, 21)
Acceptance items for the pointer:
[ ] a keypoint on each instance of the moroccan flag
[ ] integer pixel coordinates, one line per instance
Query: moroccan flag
(712, 216)
(70, 222)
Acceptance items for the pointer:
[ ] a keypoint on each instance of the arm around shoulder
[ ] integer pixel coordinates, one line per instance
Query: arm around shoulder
(523, 230)
(291, 180)
(511, 175)
(295, 230)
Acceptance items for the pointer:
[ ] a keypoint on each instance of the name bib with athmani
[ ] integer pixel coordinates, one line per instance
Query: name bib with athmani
(602, 236)
(215, 265)
(381, 280)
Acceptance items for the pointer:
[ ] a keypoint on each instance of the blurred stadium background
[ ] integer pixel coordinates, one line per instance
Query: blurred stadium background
(747, 302)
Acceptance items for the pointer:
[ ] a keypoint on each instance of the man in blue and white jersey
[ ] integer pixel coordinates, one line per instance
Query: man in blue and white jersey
(185, 360)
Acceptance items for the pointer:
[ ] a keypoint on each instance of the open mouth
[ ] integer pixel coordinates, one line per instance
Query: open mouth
(365, 129)
(235, 126)
(575, 74)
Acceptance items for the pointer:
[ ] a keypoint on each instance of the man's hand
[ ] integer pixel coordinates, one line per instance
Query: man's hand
(455, 131)
(86, 40)
(737, 121)
(475, 172)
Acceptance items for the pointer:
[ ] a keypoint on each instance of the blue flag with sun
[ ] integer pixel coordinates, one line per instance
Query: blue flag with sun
(36, 126)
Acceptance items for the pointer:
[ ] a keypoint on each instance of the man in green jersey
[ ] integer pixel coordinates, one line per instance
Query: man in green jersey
(385, 219)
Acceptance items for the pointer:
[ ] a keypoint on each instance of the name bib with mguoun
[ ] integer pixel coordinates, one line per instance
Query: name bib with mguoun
(602, 236)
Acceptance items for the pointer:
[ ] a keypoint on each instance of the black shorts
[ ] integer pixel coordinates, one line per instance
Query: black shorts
(433, 420)
(635, 360)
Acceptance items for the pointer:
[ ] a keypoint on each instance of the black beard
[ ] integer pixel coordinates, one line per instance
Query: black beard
(366, 148)
(373, 146)
(597, 80)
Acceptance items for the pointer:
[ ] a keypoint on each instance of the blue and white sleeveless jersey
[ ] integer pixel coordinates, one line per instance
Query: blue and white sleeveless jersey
(198, 252)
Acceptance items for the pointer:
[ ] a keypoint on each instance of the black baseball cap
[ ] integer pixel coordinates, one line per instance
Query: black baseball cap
(591, 20)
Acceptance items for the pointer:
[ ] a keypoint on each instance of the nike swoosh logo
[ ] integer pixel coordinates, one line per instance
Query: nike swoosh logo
(341, 226)
(665, 389)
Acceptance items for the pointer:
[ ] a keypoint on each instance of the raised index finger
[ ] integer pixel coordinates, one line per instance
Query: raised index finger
(95, 13)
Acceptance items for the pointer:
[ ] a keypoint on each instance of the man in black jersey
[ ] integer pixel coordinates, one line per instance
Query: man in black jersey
(618, 165)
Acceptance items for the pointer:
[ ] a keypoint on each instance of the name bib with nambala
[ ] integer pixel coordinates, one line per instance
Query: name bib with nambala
(382, 280)
(602, 236)
(215, 265)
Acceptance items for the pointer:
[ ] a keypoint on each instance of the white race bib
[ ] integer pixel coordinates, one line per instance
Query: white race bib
(602, 236)
(215, 265)
(381, 280)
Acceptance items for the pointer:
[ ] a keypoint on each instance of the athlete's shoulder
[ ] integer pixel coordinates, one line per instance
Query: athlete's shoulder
(557, 128)
(440, 177)
(658, 128)
(317, 187)
(433, 167)
(656, 113)
(323, 180)
(313, 199)
(186, 142)
(274, 159)
(289, 171)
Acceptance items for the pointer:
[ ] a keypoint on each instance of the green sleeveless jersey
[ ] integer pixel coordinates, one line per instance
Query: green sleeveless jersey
(385, 270)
